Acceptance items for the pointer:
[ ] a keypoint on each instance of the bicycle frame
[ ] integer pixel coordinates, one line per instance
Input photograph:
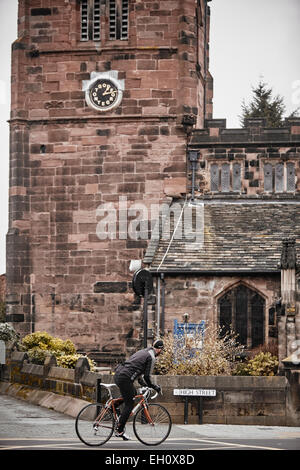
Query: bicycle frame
(113, 402)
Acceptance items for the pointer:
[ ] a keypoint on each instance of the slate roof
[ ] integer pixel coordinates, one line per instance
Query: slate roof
(238, 237)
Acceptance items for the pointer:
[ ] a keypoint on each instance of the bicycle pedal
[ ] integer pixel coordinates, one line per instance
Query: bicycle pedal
(124, 436)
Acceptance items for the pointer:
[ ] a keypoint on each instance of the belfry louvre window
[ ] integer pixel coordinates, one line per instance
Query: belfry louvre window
(90, 20)
(118, 19)
(280, 177)
(290, 177)
(225, 177)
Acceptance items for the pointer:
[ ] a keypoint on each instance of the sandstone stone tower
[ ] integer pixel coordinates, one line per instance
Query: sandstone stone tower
(104, 93)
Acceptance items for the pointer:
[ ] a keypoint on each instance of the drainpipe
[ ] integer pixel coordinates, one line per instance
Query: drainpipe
(162, 323)
(53, 312)
(158, 308)
(193, 159)
(32, 304)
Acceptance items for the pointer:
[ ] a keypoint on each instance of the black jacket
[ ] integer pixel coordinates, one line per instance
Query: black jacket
(139, 364)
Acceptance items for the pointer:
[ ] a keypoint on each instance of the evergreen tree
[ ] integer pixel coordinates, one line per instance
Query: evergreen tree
(264, 105)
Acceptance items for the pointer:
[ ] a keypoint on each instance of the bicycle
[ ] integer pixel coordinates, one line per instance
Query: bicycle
(96, 422)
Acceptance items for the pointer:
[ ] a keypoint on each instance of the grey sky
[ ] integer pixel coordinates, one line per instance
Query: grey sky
(249, 39)
(8, 33)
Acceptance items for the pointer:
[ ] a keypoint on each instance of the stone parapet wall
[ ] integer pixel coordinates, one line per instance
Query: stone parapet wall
(215, 131)
(238, 400)
(247, 162)
(78, 382)
(267, 401)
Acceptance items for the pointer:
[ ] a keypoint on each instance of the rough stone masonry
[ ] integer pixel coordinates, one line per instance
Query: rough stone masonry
(67, 159)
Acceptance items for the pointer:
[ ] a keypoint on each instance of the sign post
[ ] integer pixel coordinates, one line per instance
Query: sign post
(146, 316)
(194, 392)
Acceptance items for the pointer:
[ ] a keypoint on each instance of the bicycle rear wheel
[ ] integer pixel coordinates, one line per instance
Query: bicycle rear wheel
(153, 425)
(94, 424)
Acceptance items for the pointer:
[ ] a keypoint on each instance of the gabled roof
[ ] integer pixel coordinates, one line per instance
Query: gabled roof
(238, 237)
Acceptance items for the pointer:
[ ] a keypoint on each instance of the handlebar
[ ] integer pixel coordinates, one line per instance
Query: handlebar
(146, 391)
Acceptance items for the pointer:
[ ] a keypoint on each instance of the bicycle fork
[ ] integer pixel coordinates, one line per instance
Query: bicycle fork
(145, 411)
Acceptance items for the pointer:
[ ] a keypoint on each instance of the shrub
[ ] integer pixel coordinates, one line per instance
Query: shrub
(262, 364)
(69, 361)
(41, 344)
(59, 346)
(39, 339)
(8, 333)
(271, 347)
(188, 356)
(44, 341)
(38, 355)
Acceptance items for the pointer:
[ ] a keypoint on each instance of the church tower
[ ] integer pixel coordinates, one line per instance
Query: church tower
(104, 95)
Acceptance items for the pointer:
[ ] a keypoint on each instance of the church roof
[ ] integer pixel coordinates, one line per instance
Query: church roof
(237, 237)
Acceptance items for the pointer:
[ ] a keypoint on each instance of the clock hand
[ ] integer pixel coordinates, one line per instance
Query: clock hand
(107, 92)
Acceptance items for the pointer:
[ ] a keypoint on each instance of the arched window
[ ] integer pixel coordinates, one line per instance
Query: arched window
(243, 310)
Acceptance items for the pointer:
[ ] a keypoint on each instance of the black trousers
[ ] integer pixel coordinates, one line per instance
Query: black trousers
(128, 393)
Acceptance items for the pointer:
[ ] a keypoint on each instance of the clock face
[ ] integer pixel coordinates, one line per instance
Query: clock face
(103, 94)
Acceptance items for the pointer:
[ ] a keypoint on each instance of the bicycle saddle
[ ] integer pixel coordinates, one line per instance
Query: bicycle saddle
(108, 385)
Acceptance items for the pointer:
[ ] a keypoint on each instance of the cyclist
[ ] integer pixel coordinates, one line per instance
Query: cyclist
(139, 364)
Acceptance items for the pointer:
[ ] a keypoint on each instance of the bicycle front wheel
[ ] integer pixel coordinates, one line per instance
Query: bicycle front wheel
(152, 425)
(94, 424)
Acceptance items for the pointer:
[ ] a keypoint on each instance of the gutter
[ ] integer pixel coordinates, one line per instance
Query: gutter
(153, 271)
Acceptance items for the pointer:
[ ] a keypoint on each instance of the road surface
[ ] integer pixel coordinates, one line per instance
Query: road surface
(24, 426)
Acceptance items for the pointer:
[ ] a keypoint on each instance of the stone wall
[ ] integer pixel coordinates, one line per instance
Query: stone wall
(198, 296)
(68, 160)
(270, 401)
(78, 383)
(158, 59)
(2, 288)
(239, 400)
(248, 162)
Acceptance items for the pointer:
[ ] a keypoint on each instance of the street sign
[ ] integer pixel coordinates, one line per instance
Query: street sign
(182, 329)
(194, 392)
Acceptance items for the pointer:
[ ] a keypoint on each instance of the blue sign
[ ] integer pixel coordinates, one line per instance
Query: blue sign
(189, 336)
(181, 329)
